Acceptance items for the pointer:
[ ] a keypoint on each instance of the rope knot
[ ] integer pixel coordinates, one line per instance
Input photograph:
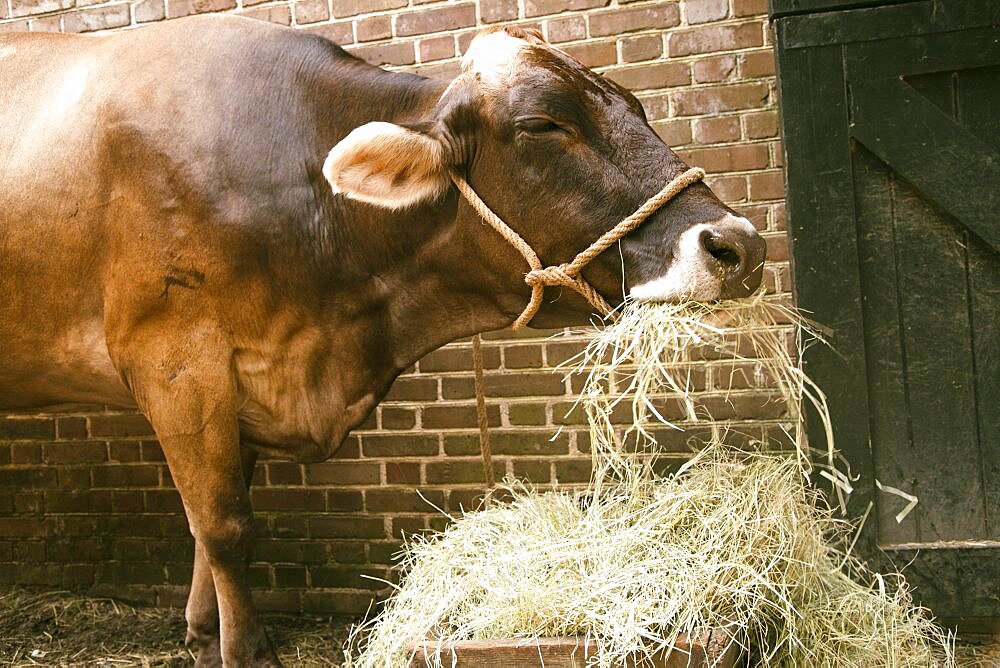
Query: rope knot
(553, 275)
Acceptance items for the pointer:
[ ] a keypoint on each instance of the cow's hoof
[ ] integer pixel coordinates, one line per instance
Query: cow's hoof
(207, 648)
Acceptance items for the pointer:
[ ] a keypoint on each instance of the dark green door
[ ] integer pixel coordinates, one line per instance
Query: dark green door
(891, 119)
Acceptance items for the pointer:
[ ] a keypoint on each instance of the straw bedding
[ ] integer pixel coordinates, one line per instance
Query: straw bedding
(736, 540)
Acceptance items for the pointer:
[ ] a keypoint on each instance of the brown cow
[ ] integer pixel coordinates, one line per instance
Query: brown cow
(169, 239)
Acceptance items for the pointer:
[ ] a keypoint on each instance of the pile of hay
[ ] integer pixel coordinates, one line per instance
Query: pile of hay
(735, 540)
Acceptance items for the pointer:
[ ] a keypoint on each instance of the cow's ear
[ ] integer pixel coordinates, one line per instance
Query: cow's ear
(387, 165)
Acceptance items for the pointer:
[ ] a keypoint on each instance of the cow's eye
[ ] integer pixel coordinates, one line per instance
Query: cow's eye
(537, 125)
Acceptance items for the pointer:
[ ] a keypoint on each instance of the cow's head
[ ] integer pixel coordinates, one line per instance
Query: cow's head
(562, 155)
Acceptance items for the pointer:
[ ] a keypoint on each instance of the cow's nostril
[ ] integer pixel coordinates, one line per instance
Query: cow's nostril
(726, 252)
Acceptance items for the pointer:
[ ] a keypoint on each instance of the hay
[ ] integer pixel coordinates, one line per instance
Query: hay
(59, 628)
(735, 540)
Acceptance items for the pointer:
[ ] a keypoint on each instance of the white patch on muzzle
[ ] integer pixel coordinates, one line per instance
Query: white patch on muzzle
(693, 274)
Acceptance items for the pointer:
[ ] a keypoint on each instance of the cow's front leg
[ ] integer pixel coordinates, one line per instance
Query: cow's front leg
(190, 402)
(202, 612)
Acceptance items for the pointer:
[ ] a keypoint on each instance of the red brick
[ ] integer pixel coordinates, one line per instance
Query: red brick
(120, 426)
(716, 99)
(708, 39)
(71, 428)
(396, 417)
(641, 47)
(374, 27)
(703, 11)
(777, 248)
(46, 24)
(741, 157)
(543, 7)
(343, 473)
(74, 453)
(593, 54)
(15, 26)
(12, 429)
(388, 53)
(311, 11)
(149, 10)
(402, 500)
(729, 189)
(767, 185)
(187, 7)
(29, 7)
(565, 30)
(492, 11)
(402, 473)
(339, 32)
(436, 48)
(761, 125)
(749, 8)
(654, 75)
(757, 64)
(456, 417)
(674, 133)
(440, 19)
(279, 14)
(352, 7)
(717, 129)
(714, 69)
(400, 445)
(618, 21)
(98, 18)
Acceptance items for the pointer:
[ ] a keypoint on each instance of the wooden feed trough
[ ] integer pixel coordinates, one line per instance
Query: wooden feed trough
(701, 651)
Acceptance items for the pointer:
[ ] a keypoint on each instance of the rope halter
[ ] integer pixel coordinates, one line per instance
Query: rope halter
(568, 273)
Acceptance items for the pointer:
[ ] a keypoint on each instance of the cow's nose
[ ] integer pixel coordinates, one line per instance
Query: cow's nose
(738, 251)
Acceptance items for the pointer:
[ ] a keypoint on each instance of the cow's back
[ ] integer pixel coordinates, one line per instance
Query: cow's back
(127, 158)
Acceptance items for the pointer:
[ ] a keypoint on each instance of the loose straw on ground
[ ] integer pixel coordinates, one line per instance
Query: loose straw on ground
(736, 540)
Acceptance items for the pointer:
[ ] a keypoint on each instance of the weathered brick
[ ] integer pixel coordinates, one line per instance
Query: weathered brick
(141, 475)
(492, 11)
(351, 7)
(454, 358)
(404, 527)
(15, 26)
(707, 39)
(402, 500)
(703, 11)
(340, 32)
(346, 527)
(343, 473)
(718, 129)
(74, 453)
(641, 47)
(451, 471)
(653, 75)
(440, 19)
(714, 69)
(436, 48)
(521, 414)
(645, 17)
(409, 388)
(523, 357)
(717, 99)
(29, 7)
(387, 53)
(396, 417)
(523, 384)
(98, 18)
(374, 27)
(537, 471)
(343, 604)
(13, 428)
(761, 125)
(343, 501)
(46, 24)
(744, 8)
(402, 473)
(757, 64)
(457, 416)
(178, 8)
(279, 14)
(767, 185)
(288, 499)
(25, 453)
(120, 426)
(400, 445)
(149, 10)
(572, 470)
(674, 133)
(566, 29)
(311, 11)
(777, 248)
(729, 189)
(543, 7)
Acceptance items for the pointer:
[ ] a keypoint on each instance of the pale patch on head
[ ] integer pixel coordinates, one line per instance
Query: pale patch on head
(7, 51)
(493, 56)
(690, 275)
(387, 165)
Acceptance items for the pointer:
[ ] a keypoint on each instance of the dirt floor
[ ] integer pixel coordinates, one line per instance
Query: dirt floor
(44, 628)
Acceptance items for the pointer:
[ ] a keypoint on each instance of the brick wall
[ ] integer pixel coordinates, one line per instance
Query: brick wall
(85, 498)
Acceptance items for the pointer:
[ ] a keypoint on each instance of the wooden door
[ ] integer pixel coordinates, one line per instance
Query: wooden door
(891, 121)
